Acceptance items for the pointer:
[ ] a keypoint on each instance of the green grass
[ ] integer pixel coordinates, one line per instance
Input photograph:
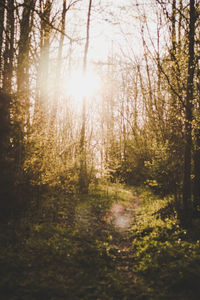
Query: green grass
(168, 256)
(114, 192)
(53, 258)
(48, 256)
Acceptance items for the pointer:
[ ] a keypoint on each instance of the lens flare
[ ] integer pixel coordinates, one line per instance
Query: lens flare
(82, 85)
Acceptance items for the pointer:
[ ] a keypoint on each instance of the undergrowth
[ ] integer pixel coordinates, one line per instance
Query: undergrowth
(64, 250)
(167, 255)
(61, 249)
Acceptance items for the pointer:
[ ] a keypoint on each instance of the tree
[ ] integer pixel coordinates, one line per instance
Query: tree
(83, 176)
(2, 15)
(196, 187)
(187, 201)
(9, 48)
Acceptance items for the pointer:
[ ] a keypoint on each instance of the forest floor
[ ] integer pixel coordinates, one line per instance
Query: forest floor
(116, 243)
(117, 222)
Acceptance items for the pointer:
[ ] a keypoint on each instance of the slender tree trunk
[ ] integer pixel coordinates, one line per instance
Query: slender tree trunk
(179, 26)
(187, 203)
(44, 51)
(174, 126)
(9, 48)
(23, 66)
(2, 13)
(58, 73)
(83, 176)
(6, 152)
(196, 187)
(150, 90)
(24, 48)
(174, 27)
(41, 102)
(173, 104)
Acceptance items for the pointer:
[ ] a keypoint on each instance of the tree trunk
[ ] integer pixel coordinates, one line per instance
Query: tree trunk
(23, 83)
(9, 48)
(24, 48)
(2, 13)
(196, 187)
(187, 203)
(83, 176)
(58, 73)
(41, 102)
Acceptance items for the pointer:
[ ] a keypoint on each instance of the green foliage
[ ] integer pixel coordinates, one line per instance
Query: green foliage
(54, 263)
(168, 259)
(131, 168)
(137, 152)
(12, 180)
(61, 249)
(164, 168)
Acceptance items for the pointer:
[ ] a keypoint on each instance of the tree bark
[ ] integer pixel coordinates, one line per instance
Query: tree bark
(23, 66)
(196, 187)
(2, 14)
(9, 48)
(58, 71)
(40, 118)
(83, 176)
(187, 203)
(24, 47)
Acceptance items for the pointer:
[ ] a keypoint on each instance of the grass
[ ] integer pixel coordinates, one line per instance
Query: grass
(113, 192)
(168, 256)
(51, 257)
(48, 256)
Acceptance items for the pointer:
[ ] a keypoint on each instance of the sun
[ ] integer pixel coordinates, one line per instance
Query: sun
(81, 85)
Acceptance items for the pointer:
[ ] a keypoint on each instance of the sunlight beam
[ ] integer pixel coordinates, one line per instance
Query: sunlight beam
(82, 86)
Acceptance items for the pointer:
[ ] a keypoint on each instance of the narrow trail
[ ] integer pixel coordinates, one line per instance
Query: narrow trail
(117, 224)
(121, 218)
(90, 258)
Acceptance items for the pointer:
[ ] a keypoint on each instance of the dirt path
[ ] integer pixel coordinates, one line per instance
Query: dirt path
(117, 224)
(121, 215)
(121, 218)
(90, 259)
(118, 219)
